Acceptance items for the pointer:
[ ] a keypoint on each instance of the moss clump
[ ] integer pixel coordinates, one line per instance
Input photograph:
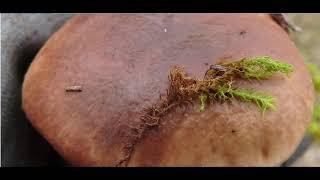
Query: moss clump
(217, 85)
(217, 82)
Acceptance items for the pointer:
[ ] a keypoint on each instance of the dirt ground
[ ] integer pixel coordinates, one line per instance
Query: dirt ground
(308, 42)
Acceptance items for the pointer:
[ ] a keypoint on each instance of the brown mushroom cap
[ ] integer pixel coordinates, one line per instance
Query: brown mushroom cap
(122, 61)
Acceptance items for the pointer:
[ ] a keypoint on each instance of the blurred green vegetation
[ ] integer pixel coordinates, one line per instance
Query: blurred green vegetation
(308, 42)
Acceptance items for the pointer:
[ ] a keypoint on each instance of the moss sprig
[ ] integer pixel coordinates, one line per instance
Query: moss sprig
(217, 85)
(262, 100)
(262, 67)
(265, 67)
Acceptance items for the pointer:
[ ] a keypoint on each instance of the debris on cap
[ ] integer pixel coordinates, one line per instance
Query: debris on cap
(283, 20)
(73, 89)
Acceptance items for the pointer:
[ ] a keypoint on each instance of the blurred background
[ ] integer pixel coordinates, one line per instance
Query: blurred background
(308, 42)
(22, 35)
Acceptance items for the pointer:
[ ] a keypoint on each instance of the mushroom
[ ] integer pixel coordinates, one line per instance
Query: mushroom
(122, 61)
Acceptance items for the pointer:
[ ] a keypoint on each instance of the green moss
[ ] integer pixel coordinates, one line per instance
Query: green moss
(262, 100)
(259, 67)
(265, 67)
(248, 68)
(217, 85)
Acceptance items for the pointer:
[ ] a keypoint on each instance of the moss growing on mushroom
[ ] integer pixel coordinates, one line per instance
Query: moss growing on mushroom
(265, 67)
(215, 86)
(262, 100)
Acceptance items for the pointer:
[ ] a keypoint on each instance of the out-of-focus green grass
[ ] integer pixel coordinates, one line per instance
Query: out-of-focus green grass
(308, 42)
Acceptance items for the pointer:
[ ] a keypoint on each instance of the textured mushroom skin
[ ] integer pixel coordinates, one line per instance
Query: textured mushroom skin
(122, 62)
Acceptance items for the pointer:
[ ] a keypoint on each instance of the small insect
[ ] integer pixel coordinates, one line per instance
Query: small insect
(218, 67)
(243, 32)
(215, 70)
(74, 89)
